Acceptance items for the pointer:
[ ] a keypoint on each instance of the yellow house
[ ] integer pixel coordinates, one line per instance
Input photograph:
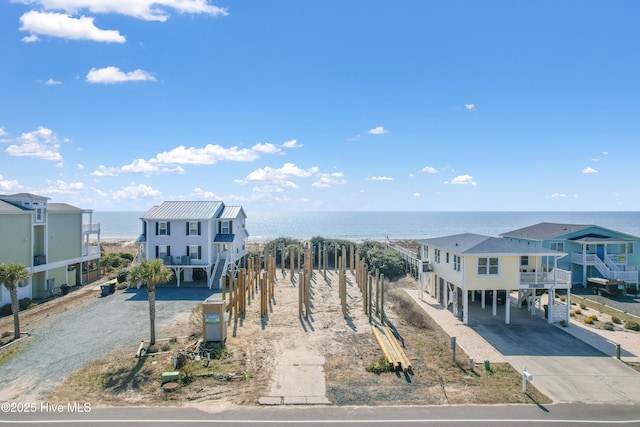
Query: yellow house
(459, 267)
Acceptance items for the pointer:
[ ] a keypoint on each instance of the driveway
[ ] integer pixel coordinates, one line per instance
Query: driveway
(564, 368)
(67, 341)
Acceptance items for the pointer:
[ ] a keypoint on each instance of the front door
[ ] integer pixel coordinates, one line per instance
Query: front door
(600, 251)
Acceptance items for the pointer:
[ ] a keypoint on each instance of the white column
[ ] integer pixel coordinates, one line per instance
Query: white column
(473, 296)
(482, 300)
(437, 284)
(445, 297)
(465, 307)
(552, 296)
(495, 302)
(567, 317)
(507, 309)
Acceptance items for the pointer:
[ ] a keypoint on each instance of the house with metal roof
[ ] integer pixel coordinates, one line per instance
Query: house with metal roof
(198, 240)
(592, 251)
(459, 267)
(58, 243)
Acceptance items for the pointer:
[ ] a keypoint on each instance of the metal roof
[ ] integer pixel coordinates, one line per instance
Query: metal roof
(230, 212)
(63, 208)
(224, 238)
(469, 243)
(548, 230)
(184, 210)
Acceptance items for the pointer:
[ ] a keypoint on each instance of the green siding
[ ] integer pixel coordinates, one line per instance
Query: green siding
(15, 232)
(65, 236)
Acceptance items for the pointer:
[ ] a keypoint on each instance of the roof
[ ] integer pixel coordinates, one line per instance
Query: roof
(548, 230)
(224, 238)
(10, 208)
(475, 244)
(184, 210)
(63, 208)
(231, 212)
(23, 196)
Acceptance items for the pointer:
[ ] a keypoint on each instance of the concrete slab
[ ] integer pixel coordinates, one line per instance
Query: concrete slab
(270, 400)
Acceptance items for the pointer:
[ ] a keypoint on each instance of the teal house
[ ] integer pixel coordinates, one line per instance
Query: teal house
(592, 251)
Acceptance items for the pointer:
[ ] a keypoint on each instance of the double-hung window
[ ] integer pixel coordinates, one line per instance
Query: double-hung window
(557, 246)
(437, 255)
(456, 262)
(194, 228)
(524, 261)
(163, 251)
(163, 229)
(488, 266)
(194, 252)
(225, 227)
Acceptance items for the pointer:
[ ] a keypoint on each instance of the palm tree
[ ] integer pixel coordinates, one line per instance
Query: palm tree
(150, 274)
(11, 275)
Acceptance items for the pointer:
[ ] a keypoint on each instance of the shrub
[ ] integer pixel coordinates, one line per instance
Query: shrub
(583, 306)
(609, 326)
(186, 375)
(633, 326)
(588, 320)
(378, 256)
(572, 313)
(594, 317)
(616, 320)
(165, 346)
(577, 311)
(25, 303)
(563, 298)
(122, 275)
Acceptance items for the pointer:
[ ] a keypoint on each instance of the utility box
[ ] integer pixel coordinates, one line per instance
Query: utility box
(214, 324)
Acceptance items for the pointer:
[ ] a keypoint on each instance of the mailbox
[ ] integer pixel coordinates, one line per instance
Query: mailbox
(214, 323)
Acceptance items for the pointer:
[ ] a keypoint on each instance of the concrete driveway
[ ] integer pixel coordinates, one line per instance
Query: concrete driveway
(564, 368)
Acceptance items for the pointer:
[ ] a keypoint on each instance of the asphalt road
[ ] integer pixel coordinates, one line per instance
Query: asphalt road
(499, 415)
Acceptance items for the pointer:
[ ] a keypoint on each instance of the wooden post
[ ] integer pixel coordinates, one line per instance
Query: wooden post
(224, 288)
(291, 263)
(377, 291)
(370, 285)
(351, 258)
(382, 298)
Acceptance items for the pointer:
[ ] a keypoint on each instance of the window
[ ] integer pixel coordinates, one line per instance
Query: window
(193, 228)
(456, 263)
(437, 255)
(162, 228)
(524, 261)
(194, 252)
(162, 251)
(225, 228)
(559, 246)
(39, 215)
(488, 266)
(447, 257)
(629, 248)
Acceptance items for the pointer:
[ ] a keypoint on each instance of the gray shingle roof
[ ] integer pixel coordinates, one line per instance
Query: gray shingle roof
(475, 244)
(9, 208)
(545, 231)
(63, 208)
(184, 210)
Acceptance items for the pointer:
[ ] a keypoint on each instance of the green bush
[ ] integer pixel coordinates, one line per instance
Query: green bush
(186, 375)
(633, 326)
(588, 320)
(609, 326)
(379, 366)
(378, 256)
(583, 306)
(616, 320)
(122, 275)
(25, 303)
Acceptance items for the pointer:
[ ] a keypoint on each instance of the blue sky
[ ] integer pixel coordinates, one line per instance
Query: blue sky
(333, 105)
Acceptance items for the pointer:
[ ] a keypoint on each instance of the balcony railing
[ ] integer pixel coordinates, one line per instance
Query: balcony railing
(546, 277)
(90, 250)
(90, 228)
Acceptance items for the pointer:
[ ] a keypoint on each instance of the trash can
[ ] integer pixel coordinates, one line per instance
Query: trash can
(112, 288)
(214, 324)
(64, 289)
(546, 311)
(106, 290)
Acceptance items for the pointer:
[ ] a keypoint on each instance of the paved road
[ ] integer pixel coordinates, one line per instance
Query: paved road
(69, 340)
(496, 415)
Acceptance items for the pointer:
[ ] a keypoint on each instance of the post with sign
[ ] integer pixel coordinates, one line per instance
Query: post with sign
(526, 376)
(213, 321)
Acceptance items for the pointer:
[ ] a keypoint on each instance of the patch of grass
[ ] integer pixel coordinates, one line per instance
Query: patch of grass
(379, 366)
(10, 351)
(408, 310)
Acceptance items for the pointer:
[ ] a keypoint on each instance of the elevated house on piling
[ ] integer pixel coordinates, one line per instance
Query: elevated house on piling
(198, 240)
(461, 268)
(592, 251)
(58, 243)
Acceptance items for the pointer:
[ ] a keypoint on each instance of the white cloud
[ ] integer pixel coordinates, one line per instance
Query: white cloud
(148, 168)
(52, 82)
(291, 144)
(133, 192)
(266, 148)
(380, 178)
(463, 180)
(199, 193)
(148, 10)
(281, 175)
(355, 138)
(470, 106)
(42, 143)
(589, 170)
(428, 169)
(562, 196)
(60, 164)
(606, 153)
(9, 184)
(416, 194)
(80, 166)
(3, 132)
(378, 130)
(32, 38)
(326, 180)
(112, 75)
(66, 27)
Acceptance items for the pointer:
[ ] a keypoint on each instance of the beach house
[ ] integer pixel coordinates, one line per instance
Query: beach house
(198, 240)
(592, 251)
(58, 243)
(457, 270)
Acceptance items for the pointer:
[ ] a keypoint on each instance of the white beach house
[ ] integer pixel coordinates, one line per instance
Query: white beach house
(198, 240)
(456, 268)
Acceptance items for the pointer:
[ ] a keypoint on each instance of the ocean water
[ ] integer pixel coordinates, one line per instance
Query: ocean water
(380, 225)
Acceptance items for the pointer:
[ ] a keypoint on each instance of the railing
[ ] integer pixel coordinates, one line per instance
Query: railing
(609, 262)
(90, 250)
(90, 228)
(605, 271)
(546, 277)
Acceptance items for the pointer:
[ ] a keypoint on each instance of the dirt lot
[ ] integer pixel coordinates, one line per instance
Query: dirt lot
(244, 370)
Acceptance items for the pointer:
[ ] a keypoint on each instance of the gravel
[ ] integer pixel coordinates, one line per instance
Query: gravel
(627, 304)
(65, 342)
